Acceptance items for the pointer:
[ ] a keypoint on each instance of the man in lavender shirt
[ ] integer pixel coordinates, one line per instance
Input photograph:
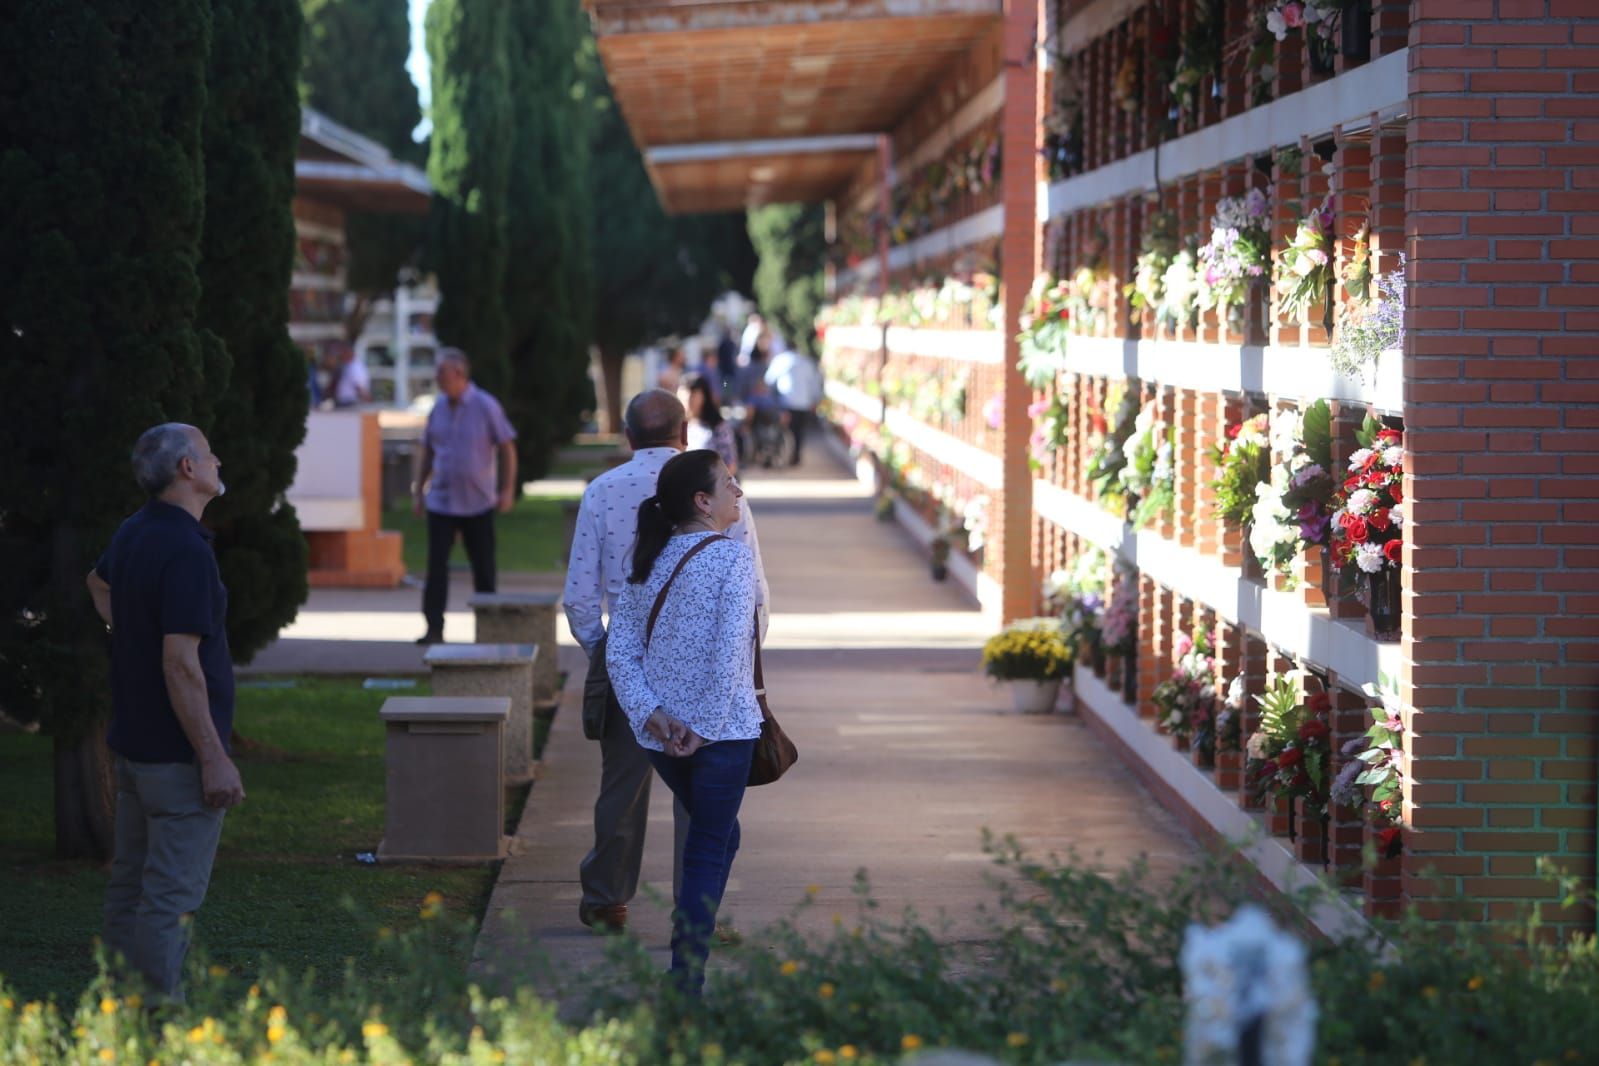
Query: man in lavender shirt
(455, 482)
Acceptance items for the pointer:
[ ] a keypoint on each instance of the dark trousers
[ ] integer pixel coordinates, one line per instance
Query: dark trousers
(710, 783)
(798, 423)
(477, 536)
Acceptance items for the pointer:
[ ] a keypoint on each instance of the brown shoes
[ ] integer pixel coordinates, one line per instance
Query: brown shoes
(607, 918)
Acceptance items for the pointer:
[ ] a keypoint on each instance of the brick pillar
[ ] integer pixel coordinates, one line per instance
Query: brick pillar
(1209, 427)
(1011, 510)
(1313, 189)
(1166, 401)
(1190, 220)
(1212, 325)
(1390, 26)
(1387, 184)
(1286, 210)
(1149, 642)
(1229, 644)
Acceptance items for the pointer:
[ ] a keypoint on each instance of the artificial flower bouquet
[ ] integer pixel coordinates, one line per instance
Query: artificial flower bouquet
(1319, 17)
(1377, 762)
(1374, 325)
(1291, 750)
(1304, 268)
(1229, 720)
(1119, 626)
(1078, 593)
(1179, 288)
(1045, 323)
(1187, 699)
(1110, 456)
(1237, 253)
(1154, 259)
(1243, 460)
(1368, 513)
(1051, 424)
(1148, 473)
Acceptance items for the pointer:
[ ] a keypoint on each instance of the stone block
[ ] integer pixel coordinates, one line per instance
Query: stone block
(523, 618)
(444, 795)
(492, 670)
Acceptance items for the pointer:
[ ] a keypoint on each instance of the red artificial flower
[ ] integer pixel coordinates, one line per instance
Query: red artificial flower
(1268, 769)
(1390, 841)
(1352, 482)
(1233, 431)
(1379, 520)
(1356, 528)
(1301, 781)
(1389, 436)
(1065, 312)
(1312, 731)
(1393, 551)
(1319, 703)
(1397, 492)
(1371, 460)
(1289, 757)
(1376, 478)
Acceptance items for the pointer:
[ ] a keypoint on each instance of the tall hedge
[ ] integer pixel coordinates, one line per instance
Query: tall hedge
(469, 168)
(252, 130)
(354, 72)
(101, 202)
(791, 241)
(548, 275)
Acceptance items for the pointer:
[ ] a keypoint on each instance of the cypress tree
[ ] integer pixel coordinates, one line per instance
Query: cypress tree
(354, 72)
(468, 166)
(791, 241)
(548, 277)
(101, 199)
(252, 130)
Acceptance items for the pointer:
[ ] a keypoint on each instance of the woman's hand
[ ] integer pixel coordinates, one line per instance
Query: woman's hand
(686, 745)
(665, 728)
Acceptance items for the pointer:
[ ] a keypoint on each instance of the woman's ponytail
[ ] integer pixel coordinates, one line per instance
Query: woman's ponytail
(682, 478)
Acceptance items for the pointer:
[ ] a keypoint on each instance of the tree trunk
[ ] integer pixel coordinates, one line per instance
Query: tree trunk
(85, 796)
(611, 360)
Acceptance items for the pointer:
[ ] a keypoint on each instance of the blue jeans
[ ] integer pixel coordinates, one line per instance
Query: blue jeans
(166, 839)
(710, 784)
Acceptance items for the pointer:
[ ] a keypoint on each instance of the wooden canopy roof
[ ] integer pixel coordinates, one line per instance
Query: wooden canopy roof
(737, 103)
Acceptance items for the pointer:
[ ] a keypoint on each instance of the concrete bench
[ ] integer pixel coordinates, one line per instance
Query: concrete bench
(523, 618)
(501, 670)
(445, 798)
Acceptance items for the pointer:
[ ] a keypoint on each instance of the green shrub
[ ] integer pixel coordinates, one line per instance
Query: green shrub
(1032, 651)
(1072, 964)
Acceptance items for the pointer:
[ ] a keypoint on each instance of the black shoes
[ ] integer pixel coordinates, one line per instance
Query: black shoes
(430, 637)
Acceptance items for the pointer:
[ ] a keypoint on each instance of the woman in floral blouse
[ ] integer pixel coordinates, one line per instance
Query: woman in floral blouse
(685, 678)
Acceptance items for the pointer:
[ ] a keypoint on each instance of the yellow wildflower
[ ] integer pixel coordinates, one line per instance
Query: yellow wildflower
(107, 1055)
(824, 1057)
(346, 1055)
(196, 1034)
(133, 1002)
(1058, 985)
(789, 968)
(433, 899)
(711, 1051)
(108, 1006)
(278, 1014)
(826, 990)
(1475, 983)
(497, 1055)
(373, 1030)
(1016, 1040)
(1429, 993)
(255, 991)
(847, 1052)
(274, 1033)
(910, 1042)
(1378, 979)
(812, 890)
(8, 1003)
(217, 971)
(384, 932)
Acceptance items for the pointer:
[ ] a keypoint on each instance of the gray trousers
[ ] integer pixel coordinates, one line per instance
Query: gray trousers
(610, 871)
(166, 840)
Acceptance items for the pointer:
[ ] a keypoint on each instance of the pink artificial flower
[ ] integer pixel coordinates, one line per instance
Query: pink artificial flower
(1293, 14)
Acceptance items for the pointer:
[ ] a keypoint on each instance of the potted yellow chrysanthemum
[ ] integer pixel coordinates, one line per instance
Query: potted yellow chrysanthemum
(1033, 657)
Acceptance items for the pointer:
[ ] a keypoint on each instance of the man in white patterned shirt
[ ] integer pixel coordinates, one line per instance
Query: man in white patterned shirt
(602, 554)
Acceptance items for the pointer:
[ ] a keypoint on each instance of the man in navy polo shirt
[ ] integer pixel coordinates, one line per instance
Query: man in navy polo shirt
(456, 486)
(159, 590)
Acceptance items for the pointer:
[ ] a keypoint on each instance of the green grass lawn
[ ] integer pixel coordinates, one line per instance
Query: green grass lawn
(531, 538)
(286, 863)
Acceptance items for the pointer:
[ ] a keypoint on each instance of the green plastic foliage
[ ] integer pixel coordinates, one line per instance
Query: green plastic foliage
(1316, 431)
(101, 200)
(469, 168)
(252, 130)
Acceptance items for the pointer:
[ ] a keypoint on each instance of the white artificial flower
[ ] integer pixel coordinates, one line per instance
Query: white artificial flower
(1276, 24)
(1394, 456)
(1397, 514)
(1361, 500)
(1256, 746)
(1358, 460)
(1235, 692)
(1369, 558)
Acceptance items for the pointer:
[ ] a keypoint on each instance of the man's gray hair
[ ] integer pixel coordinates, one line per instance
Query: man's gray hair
(456, 356)
(654, 416)
(157, 454)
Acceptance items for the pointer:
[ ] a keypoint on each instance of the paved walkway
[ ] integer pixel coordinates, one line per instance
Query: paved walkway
(906, 754)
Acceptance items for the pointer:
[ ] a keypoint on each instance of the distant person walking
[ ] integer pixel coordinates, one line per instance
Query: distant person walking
(793, 375)
(601, 558)
(455, 483)
(159, 590)
(686, 678)
(352, 384)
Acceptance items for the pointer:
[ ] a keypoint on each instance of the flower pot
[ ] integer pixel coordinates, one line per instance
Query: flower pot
(1098, 660)
(1113, 671)
(939, 571)
(1382, 603)
(1034, 697)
